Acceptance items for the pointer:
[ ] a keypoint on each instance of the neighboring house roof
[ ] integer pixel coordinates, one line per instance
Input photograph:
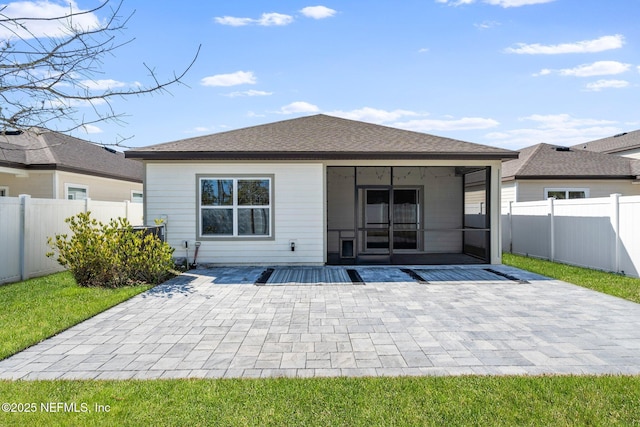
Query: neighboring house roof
(545, 161)
(319, 137)
(613, 144)
(46, 150)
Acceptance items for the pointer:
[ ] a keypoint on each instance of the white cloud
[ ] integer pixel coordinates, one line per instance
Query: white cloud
(598, 68)
(299, 107)
(278, 19)
(204, 129)
(45, 10)
(419, 123)
(456, 2)
(76, 103)
(232, 79)
(560, 129)
(516, 3)
(543, 72)
(423, 50)
(485, 25)
(606, 84)
(585, 46)
(373, 115)
(102, 85)
(251, 92)
(318, 12)
(554, 121)
(91, 129)
(502, 3)
(233, 21)
(266, 20)
(430, 125)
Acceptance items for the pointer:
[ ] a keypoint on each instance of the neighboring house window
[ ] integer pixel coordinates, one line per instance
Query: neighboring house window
(4, 191)
(76, 192)
(566, 193)
(235, 206)
(137, 197)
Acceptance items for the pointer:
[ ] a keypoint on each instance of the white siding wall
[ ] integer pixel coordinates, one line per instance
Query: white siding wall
(99, 188)
(530, 190)
(51, 185)
(508, 192)
(298, 210)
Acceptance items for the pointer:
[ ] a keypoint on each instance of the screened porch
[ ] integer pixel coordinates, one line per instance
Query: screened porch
(408, 215)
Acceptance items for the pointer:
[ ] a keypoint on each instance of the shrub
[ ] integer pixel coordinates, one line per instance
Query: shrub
(111, 255)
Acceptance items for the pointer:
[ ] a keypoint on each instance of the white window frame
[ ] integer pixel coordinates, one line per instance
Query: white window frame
(133, 193)
(67, 186)
(235, 207)
(566, 191)
(4, 191)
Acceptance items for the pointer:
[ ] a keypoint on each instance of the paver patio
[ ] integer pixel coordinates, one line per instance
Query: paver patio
(422, 321)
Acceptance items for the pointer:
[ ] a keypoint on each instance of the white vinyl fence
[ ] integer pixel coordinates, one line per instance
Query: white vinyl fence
(26, 224)
(601, 233)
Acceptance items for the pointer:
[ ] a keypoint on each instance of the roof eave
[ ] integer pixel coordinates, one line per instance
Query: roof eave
(299, 155)
(585, 177)
(621, 149)
(62, 168)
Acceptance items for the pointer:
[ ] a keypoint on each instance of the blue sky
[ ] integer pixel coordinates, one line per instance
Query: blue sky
(507, 73)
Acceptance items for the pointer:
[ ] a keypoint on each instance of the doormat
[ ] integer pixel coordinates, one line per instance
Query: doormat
(462, 275)
(308, 276)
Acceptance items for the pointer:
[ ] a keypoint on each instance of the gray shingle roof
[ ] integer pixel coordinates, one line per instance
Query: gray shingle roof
(51, 150)
(316, 137)
(613, 144)
(546, 161)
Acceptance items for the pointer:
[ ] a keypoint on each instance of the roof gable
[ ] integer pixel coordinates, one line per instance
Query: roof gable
(51, 150)
(548, 161)
(318, 136)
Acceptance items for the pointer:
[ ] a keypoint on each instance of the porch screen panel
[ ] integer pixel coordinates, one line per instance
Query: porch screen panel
(405, 219)
(476, 239)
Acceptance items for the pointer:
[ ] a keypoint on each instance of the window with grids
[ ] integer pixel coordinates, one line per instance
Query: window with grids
(235, 206)
(566, 193)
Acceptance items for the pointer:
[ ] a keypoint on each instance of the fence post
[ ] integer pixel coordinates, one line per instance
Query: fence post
(615, 225)
(87, 201)
(25, 203)
(127, 212)
(510, 216)
(552, 231)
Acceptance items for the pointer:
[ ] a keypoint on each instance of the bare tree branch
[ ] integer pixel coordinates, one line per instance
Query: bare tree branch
(47, 80)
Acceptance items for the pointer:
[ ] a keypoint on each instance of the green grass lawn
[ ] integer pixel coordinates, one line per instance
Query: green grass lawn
(42, 307)
(35, 309)
(612, 284)
(403, 401)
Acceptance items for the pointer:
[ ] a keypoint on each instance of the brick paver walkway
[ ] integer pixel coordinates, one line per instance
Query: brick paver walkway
(464, 320)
